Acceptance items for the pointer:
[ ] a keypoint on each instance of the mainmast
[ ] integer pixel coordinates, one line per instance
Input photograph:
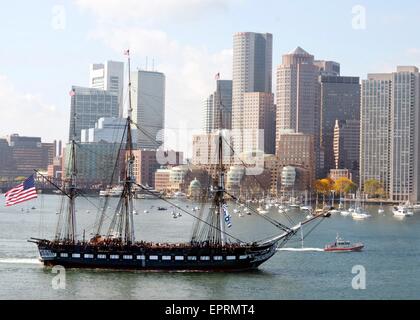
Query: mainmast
(70, 230)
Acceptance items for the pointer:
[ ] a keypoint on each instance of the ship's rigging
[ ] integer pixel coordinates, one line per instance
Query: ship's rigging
(209, 227)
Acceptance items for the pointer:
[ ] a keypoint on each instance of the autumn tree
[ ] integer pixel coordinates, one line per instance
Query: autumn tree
(324, 186)
(344, 185)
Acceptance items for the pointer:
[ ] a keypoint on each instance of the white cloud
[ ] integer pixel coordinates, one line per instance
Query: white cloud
(28, 112)
(139, 25)
(189, 70)
(151, 11)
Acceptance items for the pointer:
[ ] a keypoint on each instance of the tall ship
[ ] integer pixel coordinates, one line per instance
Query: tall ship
(211, 247)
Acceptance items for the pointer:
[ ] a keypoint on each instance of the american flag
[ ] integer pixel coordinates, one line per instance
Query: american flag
(72, 93)
(23, 192)
(217, 76)
(127, 52)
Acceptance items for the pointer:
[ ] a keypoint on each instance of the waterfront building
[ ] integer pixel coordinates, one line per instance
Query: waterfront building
(218, 101)
(288, 177)
(89, 105)
(205, 149)
(162, 180)
(148, 100)
(390, 142)
(145, 166)
(336, 174)
(95, 163)
(195, 189)
(109, 76)
(297, 150)
(6, 160)
(234, 177)
(339, 100)
(20, 155)
(55, 169)
(252, 72)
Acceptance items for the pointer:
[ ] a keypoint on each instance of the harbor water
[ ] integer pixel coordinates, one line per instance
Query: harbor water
(390, 258)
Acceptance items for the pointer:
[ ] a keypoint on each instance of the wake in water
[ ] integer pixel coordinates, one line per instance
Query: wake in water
(20, 261)
(301, 249)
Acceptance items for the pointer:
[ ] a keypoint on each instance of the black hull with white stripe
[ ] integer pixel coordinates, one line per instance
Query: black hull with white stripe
(171, 258)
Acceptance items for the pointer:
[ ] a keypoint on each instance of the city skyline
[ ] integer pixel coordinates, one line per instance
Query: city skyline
(178, 49)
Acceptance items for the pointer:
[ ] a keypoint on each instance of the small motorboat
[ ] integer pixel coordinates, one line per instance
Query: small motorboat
(162, 208)
(381, 210)
(402, 211)
(341, 245)
(146, 211)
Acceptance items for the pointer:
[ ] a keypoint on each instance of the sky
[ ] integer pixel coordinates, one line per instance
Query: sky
(47, 46)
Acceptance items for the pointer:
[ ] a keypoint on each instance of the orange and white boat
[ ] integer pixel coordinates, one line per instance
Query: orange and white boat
(341, 245)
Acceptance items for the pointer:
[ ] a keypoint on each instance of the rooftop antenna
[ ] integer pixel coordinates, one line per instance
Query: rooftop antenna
(146, 63)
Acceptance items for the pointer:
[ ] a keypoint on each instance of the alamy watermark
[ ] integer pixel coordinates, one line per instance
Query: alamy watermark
(58, 20)
(358, 21)
(58, 282)
(359, 280)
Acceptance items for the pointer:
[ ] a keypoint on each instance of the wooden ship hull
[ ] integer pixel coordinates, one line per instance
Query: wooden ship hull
(165, 258)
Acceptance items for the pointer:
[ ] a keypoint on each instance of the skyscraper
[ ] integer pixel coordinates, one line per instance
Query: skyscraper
(339, 100)
(390, 121)
(328, 68)
(148, 102)
(297, 93)
(297, 97)
(252, 68)
(347, 146)
(220, 100)
(89, 105)
(259, 121)
(108, 76)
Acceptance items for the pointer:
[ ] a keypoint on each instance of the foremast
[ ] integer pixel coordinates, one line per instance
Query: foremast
(121, 228)
(67, 233)
(219, 200)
